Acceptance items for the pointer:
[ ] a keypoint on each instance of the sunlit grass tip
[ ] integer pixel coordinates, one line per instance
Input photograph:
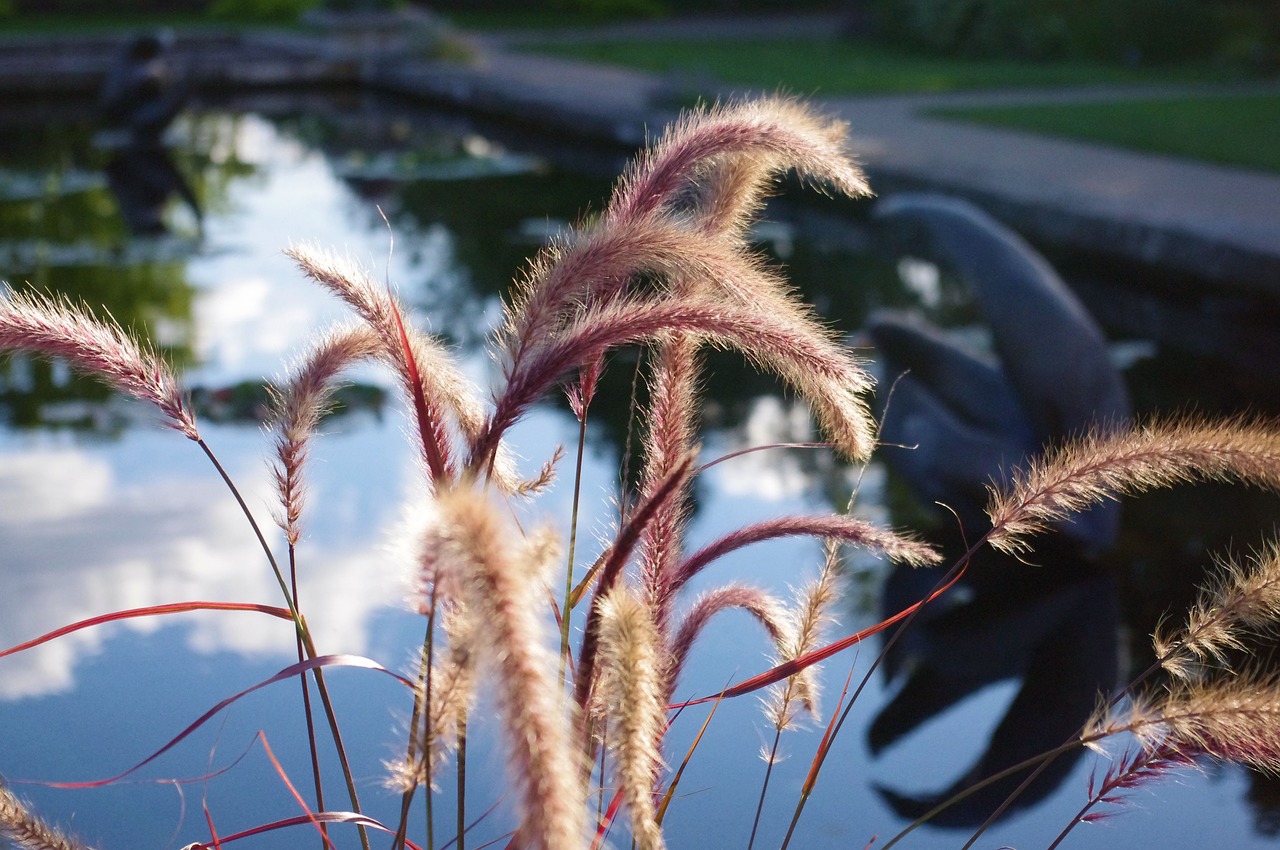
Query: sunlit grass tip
(28, 831)
(1106, 464)
(31, 322)
(1239, 600)
(631, 694)
(503, 577)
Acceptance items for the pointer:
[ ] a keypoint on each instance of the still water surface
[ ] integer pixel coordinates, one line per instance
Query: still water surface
(101, 510)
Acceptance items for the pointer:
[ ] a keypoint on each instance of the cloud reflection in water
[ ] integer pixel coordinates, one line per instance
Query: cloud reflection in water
(83, 538)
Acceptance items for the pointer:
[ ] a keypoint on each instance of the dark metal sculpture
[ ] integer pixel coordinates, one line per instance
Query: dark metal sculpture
(955, 420)
(141, 93)
(139, 99)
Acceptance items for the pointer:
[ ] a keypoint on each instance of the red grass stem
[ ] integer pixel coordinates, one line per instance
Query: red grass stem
(148, 611)
(626, 541)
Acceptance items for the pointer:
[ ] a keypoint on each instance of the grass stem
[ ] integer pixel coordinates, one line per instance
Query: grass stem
(304, 634)
(567, 611)
(461, 762)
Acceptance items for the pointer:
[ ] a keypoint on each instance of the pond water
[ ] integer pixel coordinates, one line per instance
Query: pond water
(102, 510)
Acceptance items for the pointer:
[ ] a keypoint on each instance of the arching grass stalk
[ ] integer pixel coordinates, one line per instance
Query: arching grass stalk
(580, 400)
(421, 716)
(1026, 764)
(304, 636)
(1036, 764)
(316, 778)
(824, 748)
(460, 762)
(332, 718)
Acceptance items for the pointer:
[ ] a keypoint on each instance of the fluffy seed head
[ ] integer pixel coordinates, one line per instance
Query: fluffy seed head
(1106, 465)
(1228, 718)
(1240, 600)
(631, 692)
(502, 583)
(22, 827)
(56, 328)
(298, 406)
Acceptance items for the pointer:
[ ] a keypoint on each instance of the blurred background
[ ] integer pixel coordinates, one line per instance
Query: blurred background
(157, 157)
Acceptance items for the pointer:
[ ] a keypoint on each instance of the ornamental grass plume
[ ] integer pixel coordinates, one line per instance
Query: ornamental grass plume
(22, 827)
(300, 403)
(672, 433)
(1105, 464)
(828, 376)
(811, 615)
(501, 577)
(1229, 718)
(630, 695)
(665, 228)
(100, 348)
(711, 168)
(717, 161)
(1240, 600)
(441, 396)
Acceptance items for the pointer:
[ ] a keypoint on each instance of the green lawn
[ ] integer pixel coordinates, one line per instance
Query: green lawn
(1239, 130)
(838, 66)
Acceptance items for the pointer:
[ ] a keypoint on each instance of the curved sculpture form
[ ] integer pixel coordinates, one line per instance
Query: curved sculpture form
(960, 419)
(968, 417)
(139, 99)
(143, 177)
(140, 93)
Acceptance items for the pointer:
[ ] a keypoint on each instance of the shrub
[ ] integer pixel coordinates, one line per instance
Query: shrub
(260, 10)
(1129, 30)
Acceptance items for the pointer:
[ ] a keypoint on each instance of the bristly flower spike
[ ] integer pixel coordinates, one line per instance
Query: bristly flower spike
(1228, 718)
(759, 138)
(646, 234)
(33, 323)
(631, 692)
(500, 577)
(1106, 465)
(1239, 599)
(428, 374)
(300, 403)
(26, 830)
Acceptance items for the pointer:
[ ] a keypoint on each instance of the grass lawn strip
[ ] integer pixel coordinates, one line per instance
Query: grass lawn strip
(839, 66)
(1239, 130)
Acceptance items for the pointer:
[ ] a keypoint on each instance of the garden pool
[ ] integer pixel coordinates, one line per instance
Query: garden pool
(102, 510)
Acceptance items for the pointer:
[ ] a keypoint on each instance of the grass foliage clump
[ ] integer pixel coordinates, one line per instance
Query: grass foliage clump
(666, 267)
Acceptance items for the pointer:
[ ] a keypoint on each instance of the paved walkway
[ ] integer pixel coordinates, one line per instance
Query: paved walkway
(1214, 221)
(1217, 222)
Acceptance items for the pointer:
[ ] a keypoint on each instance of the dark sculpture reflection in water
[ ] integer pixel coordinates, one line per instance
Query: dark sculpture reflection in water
(140, 97)
(955, 419)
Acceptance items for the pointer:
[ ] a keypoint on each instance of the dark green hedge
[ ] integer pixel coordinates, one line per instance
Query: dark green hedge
(1135, 31)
